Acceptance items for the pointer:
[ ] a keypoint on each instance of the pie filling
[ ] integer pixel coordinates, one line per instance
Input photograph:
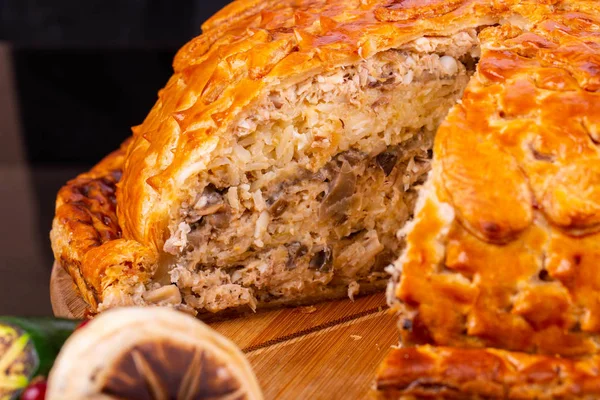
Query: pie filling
(306, 199)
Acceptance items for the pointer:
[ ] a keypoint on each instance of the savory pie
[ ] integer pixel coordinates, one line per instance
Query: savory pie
(286, 152)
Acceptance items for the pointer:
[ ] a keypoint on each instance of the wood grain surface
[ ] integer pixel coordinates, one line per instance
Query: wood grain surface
(327, 351)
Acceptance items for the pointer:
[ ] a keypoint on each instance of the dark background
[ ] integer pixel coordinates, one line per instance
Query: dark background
(74, 77)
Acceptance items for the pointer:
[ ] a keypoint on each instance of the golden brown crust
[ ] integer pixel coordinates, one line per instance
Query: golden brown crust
(218, 74)
(453, 373)
(247, 47)
(86, 236)
(504, 249)
(518, 170)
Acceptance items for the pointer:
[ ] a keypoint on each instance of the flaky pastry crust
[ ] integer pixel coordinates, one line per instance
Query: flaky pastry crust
(503, 249)
(246, 48)
(459, 373)
(86, 235)
(268, 44)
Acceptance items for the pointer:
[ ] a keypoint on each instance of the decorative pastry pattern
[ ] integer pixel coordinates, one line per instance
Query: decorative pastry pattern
(502, 251)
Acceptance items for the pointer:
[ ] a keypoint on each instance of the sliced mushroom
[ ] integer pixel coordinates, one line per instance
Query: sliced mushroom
(296, 250)
(383, 259)
(382, 101)
(382, 82)
(210, 202)
(221, 219)
(322, 260)
(278, 207)
(353, 157)
(209, 209)
(196, 237)
(387, 161)
(354, 235)
(337, 200)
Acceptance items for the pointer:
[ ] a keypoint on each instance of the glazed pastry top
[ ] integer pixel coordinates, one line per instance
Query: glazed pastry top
(530, 108)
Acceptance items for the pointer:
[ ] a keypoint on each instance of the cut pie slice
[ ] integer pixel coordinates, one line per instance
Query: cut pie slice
(278, 163)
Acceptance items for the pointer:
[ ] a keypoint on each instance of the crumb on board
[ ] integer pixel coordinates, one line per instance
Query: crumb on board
(356, 337)
(353, 289)
(308, 309)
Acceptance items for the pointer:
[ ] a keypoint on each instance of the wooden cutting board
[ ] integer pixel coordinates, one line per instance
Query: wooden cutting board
(327, 351)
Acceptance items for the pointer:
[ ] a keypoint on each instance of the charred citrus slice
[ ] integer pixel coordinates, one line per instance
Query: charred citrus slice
(150, 354)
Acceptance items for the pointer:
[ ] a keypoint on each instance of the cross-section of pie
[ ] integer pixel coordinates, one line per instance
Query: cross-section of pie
(288, 150)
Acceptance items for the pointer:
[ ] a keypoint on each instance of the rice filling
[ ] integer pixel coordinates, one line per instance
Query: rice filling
(304, 201)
